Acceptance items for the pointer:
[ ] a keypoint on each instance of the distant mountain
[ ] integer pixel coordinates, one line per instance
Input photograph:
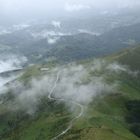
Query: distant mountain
(68, 47)
(86, 45)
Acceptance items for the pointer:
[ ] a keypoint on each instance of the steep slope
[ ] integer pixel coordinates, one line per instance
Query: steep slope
(109, 117)
(131, 86)
(130, 57)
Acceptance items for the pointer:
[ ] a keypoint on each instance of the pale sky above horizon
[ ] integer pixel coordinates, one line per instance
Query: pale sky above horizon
(16, 8)
(15, 5)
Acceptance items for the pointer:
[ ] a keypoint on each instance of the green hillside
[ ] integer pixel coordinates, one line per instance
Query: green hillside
(131, 86)
(114, 116)
(129, 57)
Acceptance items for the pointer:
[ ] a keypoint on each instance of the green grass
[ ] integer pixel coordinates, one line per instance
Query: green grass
(45, 124)
(104, 118)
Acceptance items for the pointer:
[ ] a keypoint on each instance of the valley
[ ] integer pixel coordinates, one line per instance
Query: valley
(69, 70)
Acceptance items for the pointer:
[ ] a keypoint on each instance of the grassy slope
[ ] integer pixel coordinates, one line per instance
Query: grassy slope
(129, 57)
(105, 119)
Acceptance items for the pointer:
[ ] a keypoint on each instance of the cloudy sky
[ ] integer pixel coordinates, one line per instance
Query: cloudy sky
(10, 9)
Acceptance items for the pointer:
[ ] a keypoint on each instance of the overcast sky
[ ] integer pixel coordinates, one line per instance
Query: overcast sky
(10, 9)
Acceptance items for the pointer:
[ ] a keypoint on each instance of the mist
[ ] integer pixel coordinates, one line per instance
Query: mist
(9, 64)
(15, 11)
(77, 83)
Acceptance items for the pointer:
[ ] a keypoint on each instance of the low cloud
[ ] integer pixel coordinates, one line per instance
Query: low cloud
(11, 62)
(20, 27)
(46, 33)
(118, 68)
(51, 36)
(56, 24)
(52, 40)
(76, 83)
(88, 32)
(4, 31)
(76, 7)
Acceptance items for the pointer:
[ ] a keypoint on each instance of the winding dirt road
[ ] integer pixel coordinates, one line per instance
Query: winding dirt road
(73, 102)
